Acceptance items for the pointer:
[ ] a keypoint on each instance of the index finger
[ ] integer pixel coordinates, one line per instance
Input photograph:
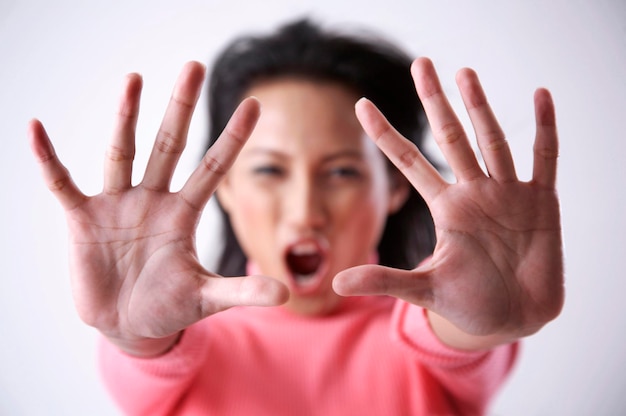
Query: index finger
(400, 151)
(220, 157)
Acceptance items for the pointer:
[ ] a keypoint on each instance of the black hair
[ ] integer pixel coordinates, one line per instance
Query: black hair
(369, 66)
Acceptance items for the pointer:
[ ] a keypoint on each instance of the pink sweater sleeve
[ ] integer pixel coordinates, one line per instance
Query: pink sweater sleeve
(470, 377)
(159, 382)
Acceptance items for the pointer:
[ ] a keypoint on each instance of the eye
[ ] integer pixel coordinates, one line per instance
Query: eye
(267, 170)
(345, 172)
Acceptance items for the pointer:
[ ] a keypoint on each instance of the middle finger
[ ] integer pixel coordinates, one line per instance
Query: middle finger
(172, 136)
(491, 139)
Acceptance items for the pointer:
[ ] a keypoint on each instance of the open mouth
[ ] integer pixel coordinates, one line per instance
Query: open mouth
(305, 262)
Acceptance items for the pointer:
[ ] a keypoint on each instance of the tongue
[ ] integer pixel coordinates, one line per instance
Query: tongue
(303, 265)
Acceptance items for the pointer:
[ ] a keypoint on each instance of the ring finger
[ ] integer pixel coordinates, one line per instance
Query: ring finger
(491, 139)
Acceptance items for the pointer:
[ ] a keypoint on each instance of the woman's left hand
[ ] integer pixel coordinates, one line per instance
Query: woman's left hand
(496, 273)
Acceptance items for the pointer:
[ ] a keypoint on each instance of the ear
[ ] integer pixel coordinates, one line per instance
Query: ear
(399, 188)
(224, 194)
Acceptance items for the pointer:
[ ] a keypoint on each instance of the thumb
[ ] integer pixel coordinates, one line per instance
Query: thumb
(414, 286)
(220, 293)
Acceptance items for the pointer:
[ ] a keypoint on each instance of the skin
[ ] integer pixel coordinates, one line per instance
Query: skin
(496, 273)
(308, 171)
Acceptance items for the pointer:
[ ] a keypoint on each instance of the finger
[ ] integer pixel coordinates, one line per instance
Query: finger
(546, 148)
(119, 159)
(402, 152)
(55, 175)
(446, 127)
(220, 157)
(410, 285)
(172, 136)
(491, 139)
(222, 293)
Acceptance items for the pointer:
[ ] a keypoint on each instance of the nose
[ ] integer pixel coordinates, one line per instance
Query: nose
(305, 207)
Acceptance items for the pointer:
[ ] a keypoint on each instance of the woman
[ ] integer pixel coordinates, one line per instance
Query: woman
(311, 202)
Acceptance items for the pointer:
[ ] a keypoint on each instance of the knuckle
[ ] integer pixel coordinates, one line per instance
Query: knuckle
(408, 159)
(181, 102)
(382, 133)
(495, 141)
(58, 177)
(167, 142)
(59, 184)
(127, 111)
(117, 154)
(46, 158)
(546, 152)
(213, 165)
(449, 134)
(236, 134)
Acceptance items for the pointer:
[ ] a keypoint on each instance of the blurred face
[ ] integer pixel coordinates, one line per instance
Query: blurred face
(309, 194)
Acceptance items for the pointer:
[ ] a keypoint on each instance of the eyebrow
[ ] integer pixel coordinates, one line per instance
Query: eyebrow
(342, 153)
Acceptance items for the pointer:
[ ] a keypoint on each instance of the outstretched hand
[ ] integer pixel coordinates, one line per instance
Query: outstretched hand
(133, 263)
(496, 273)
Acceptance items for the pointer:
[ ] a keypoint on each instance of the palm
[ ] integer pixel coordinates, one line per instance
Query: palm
(134, 268)
(497, 254)
(497, 265)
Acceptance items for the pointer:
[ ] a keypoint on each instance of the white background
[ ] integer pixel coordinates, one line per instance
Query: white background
(64, 62)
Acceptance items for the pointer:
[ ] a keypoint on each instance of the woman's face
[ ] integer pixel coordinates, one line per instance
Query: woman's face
(309, 194)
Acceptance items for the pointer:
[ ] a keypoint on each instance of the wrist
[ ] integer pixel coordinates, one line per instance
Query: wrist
(146, 347)
(452, 336)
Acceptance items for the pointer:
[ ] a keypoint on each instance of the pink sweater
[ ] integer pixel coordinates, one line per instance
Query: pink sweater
(376, 356)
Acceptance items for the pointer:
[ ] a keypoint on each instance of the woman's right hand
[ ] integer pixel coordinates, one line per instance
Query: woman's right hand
(133, 262)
